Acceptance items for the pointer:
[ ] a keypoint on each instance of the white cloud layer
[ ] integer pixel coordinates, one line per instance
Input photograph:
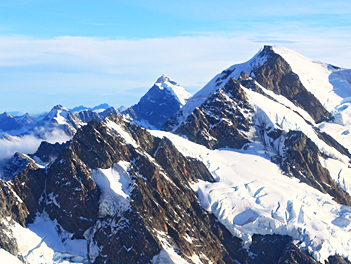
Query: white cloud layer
(28, 144)
(36, 74)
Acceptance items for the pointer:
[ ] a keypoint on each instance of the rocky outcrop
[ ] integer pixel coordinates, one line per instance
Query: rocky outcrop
(276, 75)
(221, 121)
(48, 152)
(87, 115)
(19, 202)
(163, 210)
(301, 159)
(162, 204)
(71, 197)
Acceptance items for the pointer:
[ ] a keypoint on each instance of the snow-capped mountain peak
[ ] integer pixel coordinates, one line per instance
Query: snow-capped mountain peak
(161, 101)
(58, 113)
(182, 95)
(164, 78)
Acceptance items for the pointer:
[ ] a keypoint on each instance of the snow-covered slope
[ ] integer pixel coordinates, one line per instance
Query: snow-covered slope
(218, 82)
(179, 93)
(285, 136)
(252, 196)
(331, 85)
(328, 83)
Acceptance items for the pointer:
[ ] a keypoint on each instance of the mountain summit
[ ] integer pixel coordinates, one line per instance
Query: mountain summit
(161, 101)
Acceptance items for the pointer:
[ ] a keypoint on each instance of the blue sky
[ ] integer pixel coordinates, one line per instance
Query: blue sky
(91, 52)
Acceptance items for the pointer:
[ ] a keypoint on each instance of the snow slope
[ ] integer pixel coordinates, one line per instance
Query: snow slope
(116, 186)
(251, 196)
(332, 87)
(232, 72)
(182, 95)
(44, 242)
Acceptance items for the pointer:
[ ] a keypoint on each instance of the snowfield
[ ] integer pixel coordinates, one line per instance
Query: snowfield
(41, 242)
(332, 87)
(252, 196)
(116, 185)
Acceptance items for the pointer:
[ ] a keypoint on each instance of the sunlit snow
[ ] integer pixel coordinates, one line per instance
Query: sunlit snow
(41, 242)
(252, 196)
(116, 185)
(175, 89)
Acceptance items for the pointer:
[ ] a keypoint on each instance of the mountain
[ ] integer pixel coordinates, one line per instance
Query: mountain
(98, 108)
(59, 125)
(9, 122)
(162, 100)
(288, 109)
(58, 118)
(254, 168)
(115, 186)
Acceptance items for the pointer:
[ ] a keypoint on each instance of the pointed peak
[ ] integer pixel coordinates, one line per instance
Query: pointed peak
(6, 114)
(57, 107)
(60, 107)
(163, 78)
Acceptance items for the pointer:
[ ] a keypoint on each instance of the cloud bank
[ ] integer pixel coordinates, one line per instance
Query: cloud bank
(36, 74)
(28, 144)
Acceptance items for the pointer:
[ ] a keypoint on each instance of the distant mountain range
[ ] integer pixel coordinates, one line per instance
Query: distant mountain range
(254, 168)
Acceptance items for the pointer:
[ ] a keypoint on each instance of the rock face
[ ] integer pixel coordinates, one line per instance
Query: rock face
(163, 99)
(221, 121)
(227, 118)
(277, 75)
(301, 159)
(19, 200)
(162, 210)
(48, 152)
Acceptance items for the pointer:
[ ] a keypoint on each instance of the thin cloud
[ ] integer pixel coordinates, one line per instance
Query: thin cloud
(272, 40)
(40, 73)
(28, 144)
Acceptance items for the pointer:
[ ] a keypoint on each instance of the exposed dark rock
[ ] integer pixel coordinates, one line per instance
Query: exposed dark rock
(162, 203)
(10, 205)
(336, 259)
(29, 185)
(11, 209)
(253, 86)
(332, 142)
(277, 75)
(293, 255)
(267, 249)
(110, 110)
(157, 105)
(218, 122)
(71, 197)
(48, 152)
(301, 159)
(7, 241)
(16, 164)
(87, 115)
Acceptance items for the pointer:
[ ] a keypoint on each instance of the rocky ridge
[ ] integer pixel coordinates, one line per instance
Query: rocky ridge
(162, 210)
